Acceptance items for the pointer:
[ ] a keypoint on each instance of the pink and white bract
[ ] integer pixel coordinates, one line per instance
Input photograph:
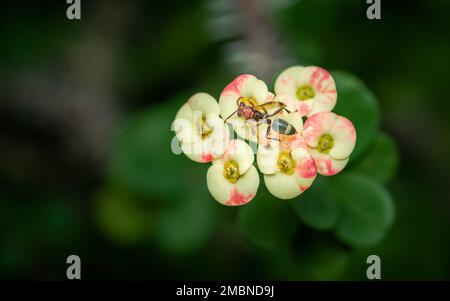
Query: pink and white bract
(233, 180)
(331, 139)
(307, 90)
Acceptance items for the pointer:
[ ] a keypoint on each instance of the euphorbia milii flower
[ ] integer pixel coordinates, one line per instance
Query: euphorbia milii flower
(287, 166)
(306, 89)
(233, 180)
(288, 171)
(247, 89)
(201, 132)
(331, 139)
(290, 153)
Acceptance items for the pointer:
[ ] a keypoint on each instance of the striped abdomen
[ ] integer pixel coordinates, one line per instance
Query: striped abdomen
(283, 127)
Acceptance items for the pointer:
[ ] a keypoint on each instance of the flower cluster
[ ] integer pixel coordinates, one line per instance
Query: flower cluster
(290, 151)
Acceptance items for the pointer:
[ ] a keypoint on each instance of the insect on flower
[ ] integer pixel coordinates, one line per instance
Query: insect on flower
(320, 146)
(249, 111)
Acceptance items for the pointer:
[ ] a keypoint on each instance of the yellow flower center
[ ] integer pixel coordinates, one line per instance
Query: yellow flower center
(285, 163)
(205, 129)
(305, 92)
(326, 143)
(231, 171)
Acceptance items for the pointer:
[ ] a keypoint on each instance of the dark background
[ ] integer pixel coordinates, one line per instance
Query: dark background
(85, 113)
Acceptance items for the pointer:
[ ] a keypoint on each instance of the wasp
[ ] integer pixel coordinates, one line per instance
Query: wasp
(249, 111)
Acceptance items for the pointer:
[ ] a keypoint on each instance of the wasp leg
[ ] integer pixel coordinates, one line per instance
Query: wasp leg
(252, 127)
(278, 111)
(268, 133)
(257, 128)
(253, 130)
(262, 121)
(269, 128)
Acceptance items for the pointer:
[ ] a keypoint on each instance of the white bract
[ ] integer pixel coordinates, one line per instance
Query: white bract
(201, 132)
(233, 180)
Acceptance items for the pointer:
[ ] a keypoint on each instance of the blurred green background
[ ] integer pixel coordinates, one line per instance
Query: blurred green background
(85, 160)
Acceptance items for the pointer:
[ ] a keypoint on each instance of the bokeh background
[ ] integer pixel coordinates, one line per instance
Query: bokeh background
(85, 160)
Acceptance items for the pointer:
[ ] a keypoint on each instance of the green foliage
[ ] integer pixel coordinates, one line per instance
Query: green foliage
(142, 159)
(367, 209)
(382, 159)
(322, 259)
(360, 106)
(267, 222)
(317, 207)
(315, 258)
(356, 206)
(185, 227)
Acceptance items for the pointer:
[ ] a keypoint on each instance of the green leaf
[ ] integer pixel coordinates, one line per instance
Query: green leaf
(267, 222)
(280, 264)
(367, 209)
(186, 226)
(321, 259)
(316, 206)
(382, 160)
(360, 106)
(143, 161)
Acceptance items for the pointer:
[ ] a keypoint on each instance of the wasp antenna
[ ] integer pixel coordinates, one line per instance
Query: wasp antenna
(229, 116)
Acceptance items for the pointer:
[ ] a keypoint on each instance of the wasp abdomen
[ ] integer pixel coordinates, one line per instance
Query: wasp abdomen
(283, 127)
